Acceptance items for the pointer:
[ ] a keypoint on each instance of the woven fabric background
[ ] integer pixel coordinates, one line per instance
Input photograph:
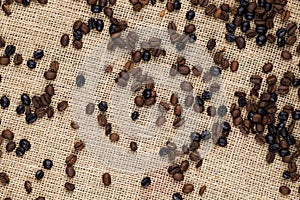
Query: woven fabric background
(238, 171)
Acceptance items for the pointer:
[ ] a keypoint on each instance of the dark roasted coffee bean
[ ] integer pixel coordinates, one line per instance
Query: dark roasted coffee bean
(245, 26)
(180, 46)
(28, 187)
(296, 115)
(222, 110)
(177, 5)
(146, 56)
(77, 34)
(9, 50)
(195, 137)
(240, 42)
(205, 135)
(237, 20)
(39, 174)
(20, 151)
(283, 116)
(280, 33)
(80, 80)
(261, 30)
(281, 42)
(190, 15)
(199, 101)
(250, 15)
(296, 82)
(290, 139)
(274, 148)
(241, 10)
(286, 175)
(65, 40)
(270, 139)
(177, 196)
(4, 101)
(96, 8)
(270, 157)
(25, 99)
(99, 24)
(215, 71)
(192, 38)
(38, 54)
(25, 144)
(26, 2)
(211, 44)
(187, 188)
(230, 37)
(91, 23)
(261, 40)
(48, 164)
(242, 101)
(31, 64)
(284, 152)
(103, 106)
(135, 115)
(146, 182)
(20, 109)
(268, 67)
(69, 186)
(222, 141)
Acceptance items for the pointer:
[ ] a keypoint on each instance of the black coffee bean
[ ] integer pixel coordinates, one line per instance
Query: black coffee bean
(261, 40)
(273, 97)
(146, 182)
(20, 151)
(31, 64)
(112, 29)
(261, 3)
(226, 127)
(25, 99)
(286, 175)
(38, 54)
(77, 34)
(244, 2)
(147, 94)
(274, 148)
(261, 30)
(99, 24)
(163, 151)
(206, 95)
(261, 111)
(230, 27)
(25, 144)
(281, 42)
(135, 115)
(190, 15)
(222, 111)
(290, 139)
(250, 115)
(281, 32)
(177, 5)
(222, 141)
(96, 8)
(47, 164)
(205, 135)
(272, 129)
(195, 137)
(39, 174)
(103, 106)
(245, 26)
(20, 109)
(250, 15)
(92, 23)
(268, 7)
(5, 102)
(80, 80)
(284, 152)
(199, 101)
(296, 82)
(30, 118)
(146, 56)
(241, 10)
(296, 115)
(270, 139)
(283, 116)
(215, 71)
(10, 50)
(192, 38)
(177, 196)
(26, 2)
(242, 101)
(230, 37)
(180, 46)
(153, 2)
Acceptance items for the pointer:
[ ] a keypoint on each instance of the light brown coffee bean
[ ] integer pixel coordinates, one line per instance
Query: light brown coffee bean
(184, 165)
(285, 15)
(78, 146)
(187, 188)
(202, 190)
(71, 159)
(77, 24)
(69, 186)
(74, 125)
(28, 187)
(268, 67)
(195, 156)
(197, 70)
(234, 66)
(4, 179)
(177, 110)
(139, 101)
(184, 70)
(49, 75)
(178, 177)
(10, 146)
(62, 106)
(173, 169)
(77, 44)
(270, 157)
(18, 59)
(114, 137)
(286, 55)
(174, 99)
(240, 42)
(211, 44)
(160, 121)
(7, 134)
(102, 120)
(284, 190)
(292, 166)
(210, 9)
(40, 198)
(6, 9)
(4, 61)
(163, 106)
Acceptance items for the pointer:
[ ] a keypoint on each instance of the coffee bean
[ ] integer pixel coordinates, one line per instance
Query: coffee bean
(184, 70)
(28, 187)
(18, 59)
(268, 67)
(89, 110)
(160, 121)
(2, 42)
(164, 106)
(202, 190)
(211, 111)
(285, 15)
(211, 44)
(25, 144)
(4, 179)
(189, 101)
(292, 167)
(133, 146)
(62, 106)
(77, 24)
(190, 28)
(70, 171)
(146, 182)
(106, 179)
(31, 64)
(20, 151)
(40, 198)
(77, 44)
(187, 188)
(71, 160)
(178, 177)
(49, 75)
(6, 9)
(240, 42)
(184, 165)
(69, 186)
(291, 40)
(195, 156)
(270, 157)
(186, 86)
(210, 9)
(79, 146)
(137, 56)
(39, 174)
(38, 54)
(286, 55)
(177, 196)
(9, 50)
(251, 33)
(10, 146)
(284, 190)
(234, 66)
(80, 80)
(114, 137)
(7, 134)
(4, 61)
(48, 164)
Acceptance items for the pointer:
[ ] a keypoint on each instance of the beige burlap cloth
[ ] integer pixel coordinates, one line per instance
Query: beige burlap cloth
(238, 171)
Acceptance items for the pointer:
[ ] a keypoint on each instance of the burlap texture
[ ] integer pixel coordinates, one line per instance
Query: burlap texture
(238, 171)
